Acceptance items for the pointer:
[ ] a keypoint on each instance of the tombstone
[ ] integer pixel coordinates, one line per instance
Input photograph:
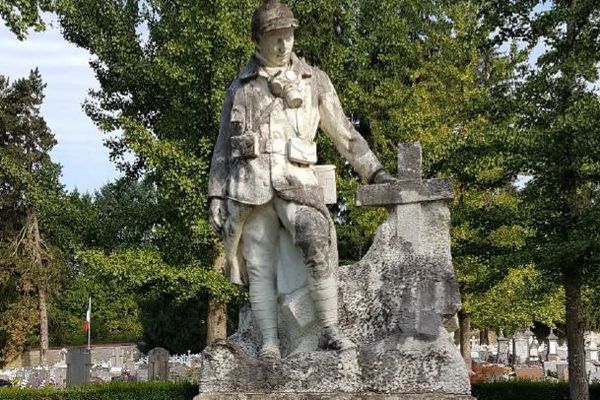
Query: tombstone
(563, 352)
(158, 364)
(543, 350)
(484, 353)
(60, 369)
(502, 349)
(529, 335)
(552, 346)
(593, 372)
(562, 370)
(130, 358)
(534, 352)
(79, 364)
(521, 348)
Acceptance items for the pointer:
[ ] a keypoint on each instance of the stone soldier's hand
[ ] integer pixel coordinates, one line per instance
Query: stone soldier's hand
(382, 176)
(217, 214)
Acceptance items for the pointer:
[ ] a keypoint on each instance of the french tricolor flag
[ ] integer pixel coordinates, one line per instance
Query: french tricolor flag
(88, 317)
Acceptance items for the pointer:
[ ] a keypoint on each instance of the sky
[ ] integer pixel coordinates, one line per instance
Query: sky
(66, 72)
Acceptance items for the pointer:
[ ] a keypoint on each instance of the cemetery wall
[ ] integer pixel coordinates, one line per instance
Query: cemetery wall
(101, 353)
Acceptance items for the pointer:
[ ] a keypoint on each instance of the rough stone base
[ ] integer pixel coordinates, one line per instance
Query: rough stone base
(393, 305)
(329, 396)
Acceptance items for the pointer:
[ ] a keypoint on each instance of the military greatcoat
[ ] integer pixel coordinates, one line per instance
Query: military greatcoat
(250, 109)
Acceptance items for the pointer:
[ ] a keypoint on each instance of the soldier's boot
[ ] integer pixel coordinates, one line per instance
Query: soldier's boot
(324, 295)
(312, 237)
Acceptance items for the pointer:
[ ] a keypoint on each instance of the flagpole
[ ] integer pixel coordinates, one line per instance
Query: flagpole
(89, 331)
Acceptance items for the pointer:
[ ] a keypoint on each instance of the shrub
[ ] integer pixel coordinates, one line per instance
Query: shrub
(113, 391)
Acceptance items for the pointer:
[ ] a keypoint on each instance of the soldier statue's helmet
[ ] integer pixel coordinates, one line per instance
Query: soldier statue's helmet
(270, 16)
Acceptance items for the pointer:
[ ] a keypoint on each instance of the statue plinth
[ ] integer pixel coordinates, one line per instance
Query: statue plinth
(394, 304)
(329, 396)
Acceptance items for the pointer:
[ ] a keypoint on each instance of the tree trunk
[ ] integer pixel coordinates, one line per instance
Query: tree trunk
(578, 383)
(36, 252)
(484, 336)
(217, 311)
(43, 327)
(464, 322)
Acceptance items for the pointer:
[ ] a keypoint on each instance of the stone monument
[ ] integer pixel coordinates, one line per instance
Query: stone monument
(393, 304)
(367, 331)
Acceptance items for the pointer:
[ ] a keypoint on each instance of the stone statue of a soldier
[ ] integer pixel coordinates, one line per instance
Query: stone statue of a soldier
(262, 178)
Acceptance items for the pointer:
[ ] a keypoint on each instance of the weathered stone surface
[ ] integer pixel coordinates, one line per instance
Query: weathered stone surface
(393, 305)
(410, 161)
(79, 363)
(329, 396)
(404, 192)
(158, 364)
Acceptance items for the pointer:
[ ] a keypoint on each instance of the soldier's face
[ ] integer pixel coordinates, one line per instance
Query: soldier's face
(276, 47)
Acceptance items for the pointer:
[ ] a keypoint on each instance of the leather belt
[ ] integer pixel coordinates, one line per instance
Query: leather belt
(273, 146)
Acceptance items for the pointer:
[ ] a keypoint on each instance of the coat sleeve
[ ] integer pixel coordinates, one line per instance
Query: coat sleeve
(219, 167)
(348, 142)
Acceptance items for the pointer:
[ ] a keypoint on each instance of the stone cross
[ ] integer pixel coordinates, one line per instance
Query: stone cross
(409, 199)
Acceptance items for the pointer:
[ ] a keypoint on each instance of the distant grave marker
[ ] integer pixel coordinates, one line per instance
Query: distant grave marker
(79, 363)
(158, 364)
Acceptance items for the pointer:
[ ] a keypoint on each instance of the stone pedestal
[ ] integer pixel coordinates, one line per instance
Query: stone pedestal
(393, 304)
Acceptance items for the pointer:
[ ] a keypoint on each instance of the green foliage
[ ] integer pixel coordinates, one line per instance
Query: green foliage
(519, 299)
(423, 70)
(113, 391)
(115, 241)
(591, 297)
(559, 139)
(144, 270)
(519, 390)
(19, 16)
(164, 90)
(29, 188)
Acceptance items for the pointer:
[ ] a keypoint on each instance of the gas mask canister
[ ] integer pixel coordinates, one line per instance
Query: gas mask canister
(287, 86)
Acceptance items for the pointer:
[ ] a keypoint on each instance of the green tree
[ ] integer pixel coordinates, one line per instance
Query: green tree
(428, 71)
(19, 16)
(163, 68)
(32, 268)
(416, 70)
(113, 242)
(560, 135)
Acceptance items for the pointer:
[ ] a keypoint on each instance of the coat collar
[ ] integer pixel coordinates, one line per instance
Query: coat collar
(251, 70)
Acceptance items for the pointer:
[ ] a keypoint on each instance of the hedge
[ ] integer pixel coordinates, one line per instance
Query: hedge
(113, 391)
(527, 390)
(513, 390)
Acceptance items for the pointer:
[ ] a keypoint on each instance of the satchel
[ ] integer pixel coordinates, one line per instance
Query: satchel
(245, 146)
(302, 151)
